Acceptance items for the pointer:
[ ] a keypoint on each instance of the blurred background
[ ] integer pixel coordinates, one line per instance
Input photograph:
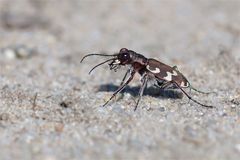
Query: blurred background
(42, 42)
(173, 29)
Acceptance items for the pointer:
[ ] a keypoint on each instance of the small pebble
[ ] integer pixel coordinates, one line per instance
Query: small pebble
(4, 116)
(59, 127)
(9, 53)
(222, 113)
(18, 51)
(162, 109)
(237, 146)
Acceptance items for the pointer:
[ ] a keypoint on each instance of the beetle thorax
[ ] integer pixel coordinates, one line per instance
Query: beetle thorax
(137, 58)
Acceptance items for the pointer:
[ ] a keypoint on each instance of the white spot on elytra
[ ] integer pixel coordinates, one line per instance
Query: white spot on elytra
(182, 84)
(156, 70)
(169, 75)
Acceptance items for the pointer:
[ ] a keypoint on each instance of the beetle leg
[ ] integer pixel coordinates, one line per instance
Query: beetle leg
(121, 87)
(189, 97)
(143, 86)
(199, 91)
(164, 85)
(123, 80)
(128, 71)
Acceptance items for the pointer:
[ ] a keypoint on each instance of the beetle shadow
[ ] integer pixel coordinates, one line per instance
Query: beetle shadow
(150, 91)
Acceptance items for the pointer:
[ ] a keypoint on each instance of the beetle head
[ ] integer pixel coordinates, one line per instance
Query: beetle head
(123, 57)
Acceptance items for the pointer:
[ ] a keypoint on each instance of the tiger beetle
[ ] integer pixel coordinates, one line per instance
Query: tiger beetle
(164, 76)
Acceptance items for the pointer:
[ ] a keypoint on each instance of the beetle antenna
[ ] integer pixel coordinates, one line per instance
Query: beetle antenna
(100, 64)
(95, 54)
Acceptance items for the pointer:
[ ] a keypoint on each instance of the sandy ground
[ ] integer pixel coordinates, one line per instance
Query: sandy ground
(50, 108)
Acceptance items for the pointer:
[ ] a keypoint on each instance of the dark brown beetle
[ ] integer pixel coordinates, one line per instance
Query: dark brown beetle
(164, 75)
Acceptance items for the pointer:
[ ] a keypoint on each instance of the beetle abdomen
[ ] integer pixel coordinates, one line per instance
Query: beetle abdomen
(166, 73)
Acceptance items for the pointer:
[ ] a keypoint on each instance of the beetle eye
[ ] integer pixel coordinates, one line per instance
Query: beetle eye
(125, 56)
